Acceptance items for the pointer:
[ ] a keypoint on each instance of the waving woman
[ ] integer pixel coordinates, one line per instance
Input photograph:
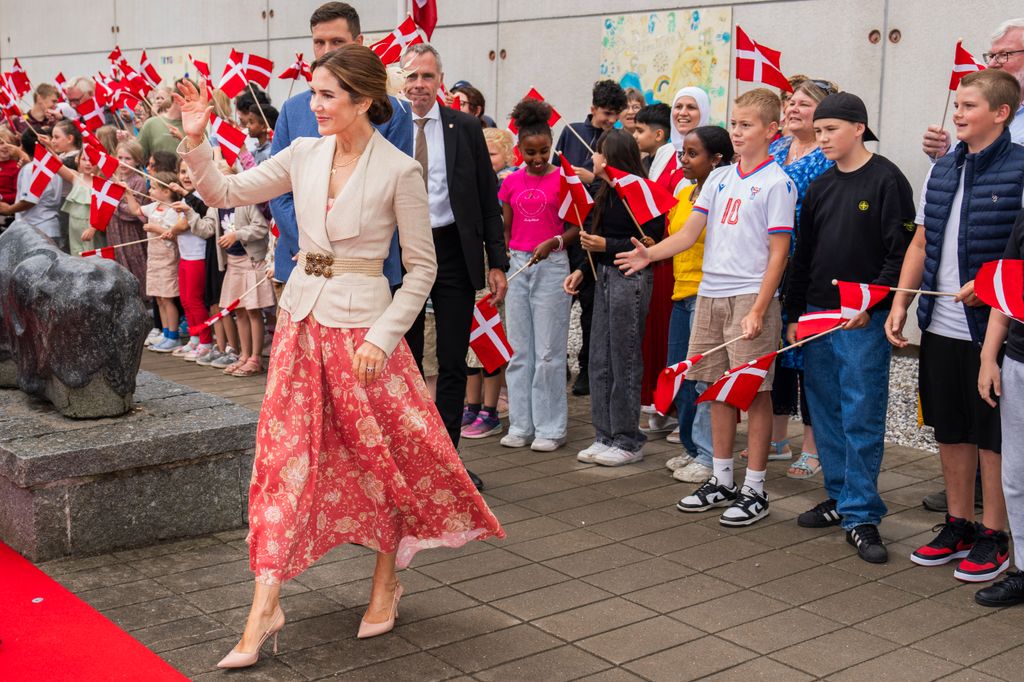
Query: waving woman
(349, 446)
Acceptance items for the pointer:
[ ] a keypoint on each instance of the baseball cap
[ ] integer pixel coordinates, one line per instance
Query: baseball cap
(462, 84)
(845, 106)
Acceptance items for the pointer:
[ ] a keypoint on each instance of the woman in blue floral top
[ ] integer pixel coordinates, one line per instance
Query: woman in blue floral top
(803, 161)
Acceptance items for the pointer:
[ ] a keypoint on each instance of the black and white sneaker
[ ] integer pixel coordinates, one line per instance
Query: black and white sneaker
(748, 508)
(707, 496)
(822, 516)
(868, 542)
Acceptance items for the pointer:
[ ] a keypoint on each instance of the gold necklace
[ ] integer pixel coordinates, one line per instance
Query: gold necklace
(336, 166)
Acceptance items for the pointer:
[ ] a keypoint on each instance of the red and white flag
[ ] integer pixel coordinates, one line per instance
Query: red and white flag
(738, 387)
(105, 198)
(258, 70)
(963, 64)
(19, 79)
(646, 198)
(554, 118)
(61, 82)
(106, 252)
(90, 113)
(1000, 284)
(203, 69)
(132, 80)
(103, 93)
(758, 64)
(230, 138)
(669, 381)
(8, 99)
(233, 80)
(856, 298)
(574, 201)
(221, 314)
(115, 55)
(88, 139)
(487, 336)
(44, 166)
(391, 47)
(814, 323)
(105, 163)
(299, 69)
(149, 71)
(424, 13)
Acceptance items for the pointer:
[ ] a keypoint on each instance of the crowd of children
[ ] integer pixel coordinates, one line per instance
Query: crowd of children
(769, 213)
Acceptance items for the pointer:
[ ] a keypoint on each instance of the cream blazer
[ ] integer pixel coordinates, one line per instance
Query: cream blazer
(385, 189)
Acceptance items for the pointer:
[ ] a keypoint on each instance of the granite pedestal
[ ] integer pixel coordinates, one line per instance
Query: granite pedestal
(177, 465)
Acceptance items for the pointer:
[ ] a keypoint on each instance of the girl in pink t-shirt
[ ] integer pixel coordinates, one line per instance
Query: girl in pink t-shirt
(536, 308)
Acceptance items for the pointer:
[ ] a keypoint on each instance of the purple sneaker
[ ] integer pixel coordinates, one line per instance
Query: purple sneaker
(486, 424)
(468, 416)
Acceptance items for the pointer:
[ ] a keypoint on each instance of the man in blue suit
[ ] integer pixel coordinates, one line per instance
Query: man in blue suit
(333, 25)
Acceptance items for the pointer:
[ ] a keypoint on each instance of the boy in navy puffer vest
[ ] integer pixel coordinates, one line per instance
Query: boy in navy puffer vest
(968, 207)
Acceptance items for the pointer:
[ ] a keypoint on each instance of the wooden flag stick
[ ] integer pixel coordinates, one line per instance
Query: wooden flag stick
(516, 273)
(144, 174)
(635, 221)
(580, 138)
(258, 105)
(288, 96)
(590, 256)
(810, 338)
(945, 111)
(118, 246)
(835, 282)
(723, 345)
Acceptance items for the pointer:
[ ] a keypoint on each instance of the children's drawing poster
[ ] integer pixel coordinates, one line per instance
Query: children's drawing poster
(660, 52)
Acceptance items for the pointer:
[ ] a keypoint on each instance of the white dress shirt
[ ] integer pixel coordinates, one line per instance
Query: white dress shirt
(437, 174)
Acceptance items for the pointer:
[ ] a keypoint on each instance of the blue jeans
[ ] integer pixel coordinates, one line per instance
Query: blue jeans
(537, 317)
(847, 379)
(694, 419)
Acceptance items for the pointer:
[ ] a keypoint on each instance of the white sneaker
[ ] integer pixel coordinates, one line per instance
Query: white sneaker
(616, 457)
(676, 463)
(657, 424)
(546, 444)
(694, 472)
(510, 440)
(587, 456)
(208, 359)
(155, 335)
(184, 350)
(199, 351)
(674, 437)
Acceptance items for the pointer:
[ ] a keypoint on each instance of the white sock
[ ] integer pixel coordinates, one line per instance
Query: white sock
(755, 479)
(723, 471)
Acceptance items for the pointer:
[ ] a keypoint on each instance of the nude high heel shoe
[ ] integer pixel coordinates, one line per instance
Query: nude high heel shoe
(373, 629)
(239, 659)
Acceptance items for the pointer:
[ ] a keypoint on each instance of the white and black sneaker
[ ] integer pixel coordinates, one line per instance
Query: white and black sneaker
(822, 515)
(748, 508)
(707, 496)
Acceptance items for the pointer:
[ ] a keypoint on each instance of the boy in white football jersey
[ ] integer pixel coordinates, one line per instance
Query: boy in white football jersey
(747, 209)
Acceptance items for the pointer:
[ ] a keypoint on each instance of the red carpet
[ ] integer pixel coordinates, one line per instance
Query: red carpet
(48, 634)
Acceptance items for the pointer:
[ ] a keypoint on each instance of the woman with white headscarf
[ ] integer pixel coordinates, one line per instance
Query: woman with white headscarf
(691, 108)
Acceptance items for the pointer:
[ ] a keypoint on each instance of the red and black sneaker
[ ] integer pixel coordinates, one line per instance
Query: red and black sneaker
(989, 557)
(954, 541)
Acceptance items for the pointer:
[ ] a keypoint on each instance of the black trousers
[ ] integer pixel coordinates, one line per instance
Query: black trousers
(586, 299)
(452, 298)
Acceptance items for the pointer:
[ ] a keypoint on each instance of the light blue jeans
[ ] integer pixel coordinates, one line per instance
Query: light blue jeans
(537, 321)
(847, 379)
(694, 419)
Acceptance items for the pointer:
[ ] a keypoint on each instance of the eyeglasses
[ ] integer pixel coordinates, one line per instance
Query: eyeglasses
(999, 57)
(824, 85)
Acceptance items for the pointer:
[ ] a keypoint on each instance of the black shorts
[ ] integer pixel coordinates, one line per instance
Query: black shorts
(948, 382)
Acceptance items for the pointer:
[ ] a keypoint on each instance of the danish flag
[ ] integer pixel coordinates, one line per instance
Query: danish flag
(487, 336)
(103, 161)
(88, 139)
(258, 70)
(19, 79)
(133, 81)
(1000, 284)
(44, 166)
(106, 252)
(738, 387)
(574, 201)
(241, 68)
(8, 99)
(115, 55)
(105, 197)
(300, 69)
(758, 64)
(963, 64)
(669, 381)
(149, 71)
(855, 298)
(91, 113)
(817, 322)
(554, 118)
(646, 198)
(224, 312)
(230, 138)
(391, 47)
(203, 69)
(424, 13)
(61, 82)
(104, 94)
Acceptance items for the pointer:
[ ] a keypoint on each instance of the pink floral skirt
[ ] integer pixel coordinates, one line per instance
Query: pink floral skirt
(337, 462)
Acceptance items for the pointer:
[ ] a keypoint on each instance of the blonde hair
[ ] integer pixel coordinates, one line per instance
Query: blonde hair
(107, 135)
(815, 91)
(134, 150)
(221, 105)
(766, 102)
(505, 142)
(997, 87)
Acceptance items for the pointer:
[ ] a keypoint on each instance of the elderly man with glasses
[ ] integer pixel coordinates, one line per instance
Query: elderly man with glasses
(1006, 53)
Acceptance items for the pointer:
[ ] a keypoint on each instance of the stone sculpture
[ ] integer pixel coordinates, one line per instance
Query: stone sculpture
(71, 329)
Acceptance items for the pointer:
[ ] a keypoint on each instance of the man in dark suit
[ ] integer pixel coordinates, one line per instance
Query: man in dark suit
(466, 221)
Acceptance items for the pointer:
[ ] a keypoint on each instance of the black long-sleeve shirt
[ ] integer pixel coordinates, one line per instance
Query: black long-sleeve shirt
(854, 227)
(616, 227)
